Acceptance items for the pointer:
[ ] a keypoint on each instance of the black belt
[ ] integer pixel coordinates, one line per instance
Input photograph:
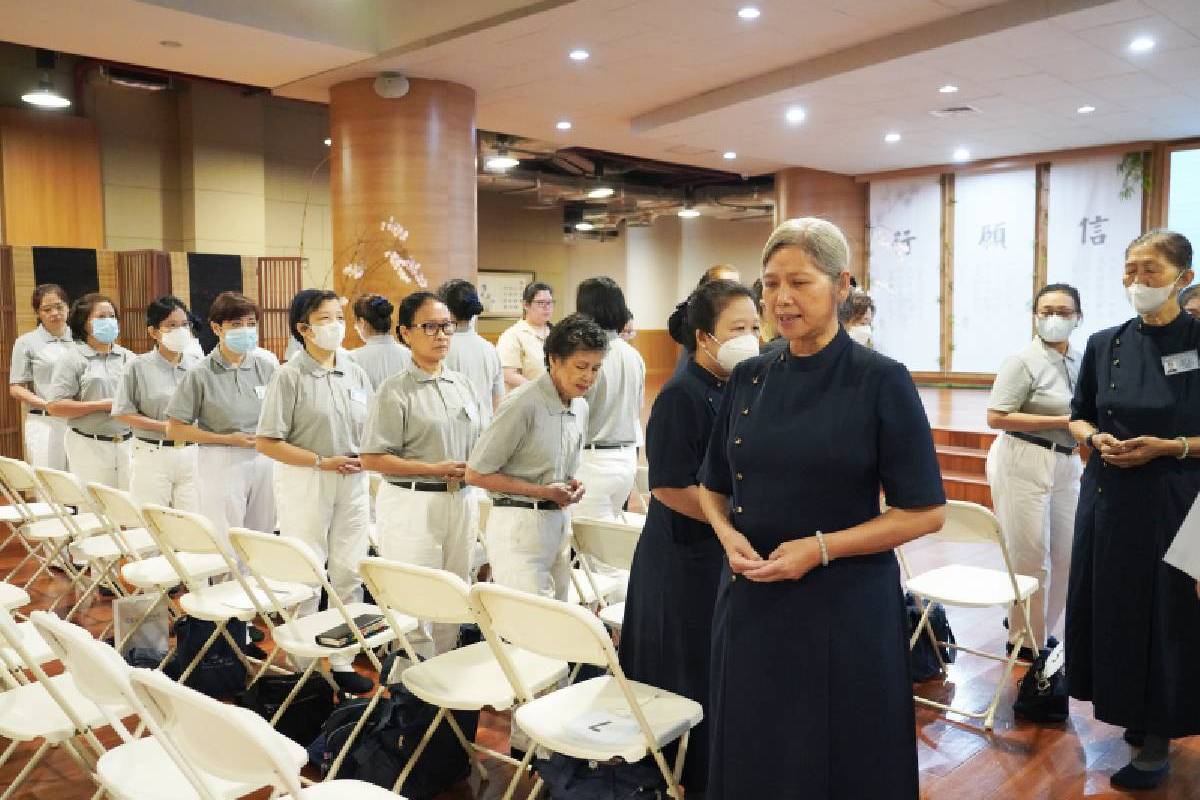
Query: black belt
(38, 412)
(422, 486)
(512, 502)
(606, 446)
(1058, 448)
(164, 442)
(114, 439)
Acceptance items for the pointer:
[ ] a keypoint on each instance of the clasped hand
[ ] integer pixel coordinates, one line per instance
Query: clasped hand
(789, 561)
(565, 493)
(1131, 452)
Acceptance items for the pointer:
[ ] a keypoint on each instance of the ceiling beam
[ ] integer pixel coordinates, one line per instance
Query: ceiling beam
(969, 25)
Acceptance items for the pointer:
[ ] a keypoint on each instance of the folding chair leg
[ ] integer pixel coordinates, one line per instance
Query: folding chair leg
(287, 701)
(8, 751)
(358, 726)
(218, 630)
(681, 755)
(467, 745)
(25, 771)
(420, 748)
(537, 788)
(90, 590)
(141, 621)
(672, 785)
(522, 768)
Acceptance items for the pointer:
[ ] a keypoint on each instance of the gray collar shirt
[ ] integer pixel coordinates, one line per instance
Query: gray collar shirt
(476, 358)
(319, 409)
(422, 417)
(1038, 380)
(34, 356)
(218, 397)
(381, 357)
(535, 436)
(615, 399)
(86, 375)
(147, 385)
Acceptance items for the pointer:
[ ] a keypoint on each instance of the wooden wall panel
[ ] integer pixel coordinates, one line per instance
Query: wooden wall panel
(278, 281)
(181, 286)
(106, 269)
(50, 186)
(801, 192)
(142, 275)
(10, 409)
(659, 351)
(250, 277)
(21, 262)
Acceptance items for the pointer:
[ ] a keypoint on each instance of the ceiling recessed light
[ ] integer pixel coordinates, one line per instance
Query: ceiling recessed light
(948, 88)
(1085, 109)
(749, 12)
(170, 43)
(500, 162)
(795, 115)
(563, 124)
(328, 141)
(688, 212)
(730, 155)
(891, 138)
(962, 154)
(601, 192)
(579, 54)
(584, 226)
(1141, 44)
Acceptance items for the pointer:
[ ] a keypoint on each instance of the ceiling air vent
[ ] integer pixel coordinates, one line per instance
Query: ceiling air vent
(136, 79)
(956, 111)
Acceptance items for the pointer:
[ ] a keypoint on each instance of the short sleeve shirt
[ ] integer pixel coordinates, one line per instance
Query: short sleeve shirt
(476, 358)
(615, 399)
(535, 436)
(381, 357)
(147, 385)
(422, 417)
(319, 409)
(218, 397)
(520, 348)
(34, 356)
(1038, 380)
(86, 375)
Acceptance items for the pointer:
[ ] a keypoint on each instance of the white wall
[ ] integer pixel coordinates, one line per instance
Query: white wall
(705, 241)
(653, 266)
(587, 258)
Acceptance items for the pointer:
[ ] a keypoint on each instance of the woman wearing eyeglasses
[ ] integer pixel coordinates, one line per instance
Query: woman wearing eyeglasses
(421, 426)
(1034, 467)
(33, 358)
(521, 346)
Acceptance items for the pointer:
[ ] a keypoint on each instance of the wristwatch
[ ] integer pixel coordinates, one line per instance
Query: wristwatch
(1088, 440)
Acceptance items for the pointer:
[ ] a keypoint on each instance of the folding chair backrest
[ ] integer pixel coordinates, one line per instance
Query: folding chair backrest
(99, 672)
(17, 475)
(10, 636)
(117, 505)
(969, 523)
(63, 488)
(182, 530)
(422, 592)
(611, 543)
(278, 558)
(543, 625)
(229, 742)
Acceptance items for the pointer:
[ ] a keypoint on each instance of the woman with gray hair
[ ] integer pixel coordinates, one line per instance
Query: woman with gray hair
(809, 634)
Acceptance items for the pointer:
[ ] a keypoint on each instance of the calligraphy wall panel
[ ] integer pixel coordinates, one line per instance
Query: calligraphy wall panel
(1089, 226)
(993, 275)
(905, 270)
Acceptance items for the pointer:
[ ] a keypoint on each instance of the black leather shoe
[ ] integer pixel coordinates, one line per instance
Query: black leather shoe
(1130, 777)
(254, 651)
(1134, 738)
(255, 634)
(1026, 654)
(352, 682)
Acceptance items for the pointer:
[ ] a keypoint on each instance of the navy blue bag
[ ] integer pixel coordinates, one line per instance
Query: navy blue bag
(574, 779)
(220, 673)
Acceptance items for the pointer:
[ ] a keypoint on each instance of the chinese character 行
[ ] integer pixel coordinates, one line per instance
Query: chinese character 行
(902, 242)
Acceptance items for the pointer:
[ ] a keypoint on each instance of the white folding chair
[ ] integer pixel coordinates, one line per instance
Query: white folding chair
(272, 560)
(178, 533)
(234, 744)
(50, 709)
(16, 511)
(641, 483)
(611, 543)
(973, 587)
(599, 719)
(465, 679)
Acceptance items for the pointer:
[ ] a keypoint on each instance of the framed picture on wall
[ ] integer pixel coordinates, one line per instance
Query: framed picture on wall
(500, 292)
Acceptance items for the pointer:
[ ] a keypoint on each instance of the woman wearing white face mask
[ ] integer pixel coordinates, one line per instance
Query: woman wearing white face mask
(311, 427)
(1034, 468)
(164, 471)
(1133, 623)
(81, 390)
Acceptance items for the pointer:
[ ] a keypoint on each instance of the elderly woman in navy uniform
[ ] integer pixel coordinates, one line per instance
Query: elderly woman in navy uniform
(811, 696)
(1133, 623)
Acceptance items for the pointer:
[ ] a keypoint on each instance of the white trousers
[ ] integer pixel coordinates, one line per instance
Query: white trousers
(608, 477)
(44, 441)
(331, 514)
(235, 488)
(1035, 492)
(96, 461)
(429, 529)
(528, 550)
(164, 476)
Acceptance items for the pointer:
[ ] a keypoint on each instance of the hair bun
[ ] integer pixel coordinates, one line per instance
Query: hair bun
(382, 305)
(677, 326)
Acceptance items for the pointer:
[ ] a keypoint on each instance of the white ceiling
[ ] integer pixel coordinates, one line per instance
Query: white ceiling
(685, 80)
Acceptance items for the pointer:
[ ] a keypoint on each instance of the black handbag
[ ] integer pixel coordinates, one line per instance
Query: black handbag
(1042, 696)
(308, 711)
(922, 658)
(574, 779)
(220, 673)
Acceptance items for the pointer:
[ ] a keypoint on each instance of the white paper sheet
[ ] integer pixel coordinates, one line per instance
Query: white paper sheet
(1184, 552)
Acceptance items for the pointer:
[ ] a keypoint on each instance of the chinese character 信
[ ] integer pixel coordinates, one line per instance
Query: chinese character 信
(992, 236)
(1097, 235)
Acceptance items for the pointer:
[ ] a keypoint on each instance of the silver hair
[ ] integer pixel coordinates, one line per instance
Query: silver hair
(817, 238)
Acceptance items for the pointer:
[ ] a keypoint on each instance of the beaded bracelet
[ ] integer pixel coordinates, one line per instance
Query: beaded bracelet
(1187, 447)
(824, 549)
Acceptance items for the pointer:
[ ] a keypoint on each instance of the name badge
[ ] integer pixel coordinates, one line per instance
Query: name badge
(358, 395)
(261, 391)
(1176, 363)
(472, 412)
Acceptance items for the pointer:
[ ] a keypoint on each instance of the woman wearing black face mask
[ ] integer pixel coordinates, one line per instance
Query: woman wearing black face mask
(665, 637)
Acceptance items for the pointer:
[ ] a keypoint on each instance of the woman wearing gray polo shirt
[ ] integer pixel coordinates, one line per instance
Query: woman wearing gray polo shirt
(421, 428)
(381, 356)
(1034, 467)
(311, 425)
(164, 471)
(528, 459)
(81, 391)
(33, 357)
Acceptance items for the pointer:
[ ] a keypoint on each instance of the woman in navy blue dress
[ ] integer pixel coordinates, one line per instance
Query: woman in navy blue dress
(1133, 623)
(666, 635)
(811, 696)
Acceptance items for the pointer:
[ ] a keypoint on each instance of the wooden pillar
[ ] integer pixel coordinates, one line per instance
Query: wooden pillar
(801, 192)
(411, 158)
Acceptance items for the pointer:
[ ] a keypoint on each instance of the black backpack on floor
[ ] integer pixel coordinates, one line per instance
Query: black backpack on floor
(309, 710)
(922, 658)
(574, 779)
(221, 673)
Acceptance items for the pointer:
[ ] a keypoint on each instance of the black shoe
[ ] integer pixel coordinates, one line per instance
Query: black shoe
(255, 634)
(106, 592)
(254, 651)
(1026, 654)
(352, 682)
(1130, 777)
(1134, 738)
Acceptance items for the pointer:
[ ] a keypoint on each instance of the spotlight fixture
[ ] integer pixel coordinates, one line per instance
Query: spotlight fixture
(891, 138)
(749, 12)
(1141, 44)
(962, 154)
(687, 212)
(948, 88)
(563, 125)
(730, 155)
(500, 161)
(579, 54)
(601, 193)
(584, 226)
(1085, 109)
(45, 95)
(328, 141)
(795, 115)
